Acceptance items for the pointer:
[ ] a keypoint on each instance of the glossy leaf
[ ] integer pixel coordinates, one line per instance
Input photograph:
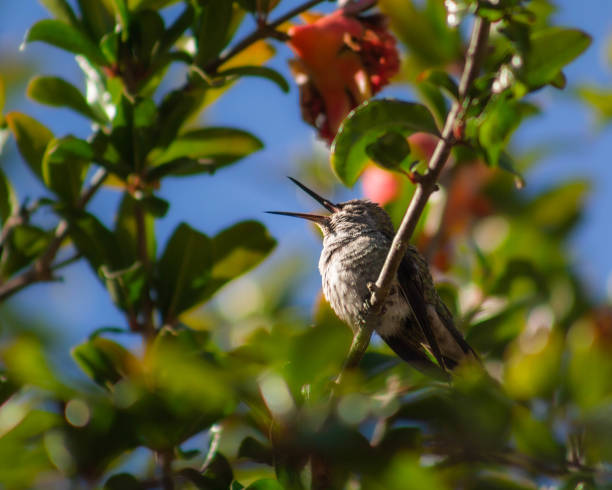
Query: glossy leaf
(501, 119)
(103, 360)
(8, 199)
(57, 92)
(94, 241)
(24, 244)
(32, 139)
(213, 29)
(62, 172)
(203, 150)
(61, 10)
(184, 271)
(368, 122)
(257, 71)
(64, 36)
(550, 50)
(389, 150)
(235, 251)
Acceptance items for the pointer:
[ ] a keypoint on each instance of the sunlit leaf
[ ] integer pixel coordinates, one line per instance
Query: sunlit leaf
(257, 71)
(184, 271)
(32, 139)
(599, 99)
(235, 251)
(368, 122)
(550, 50)
(203, 150)
(104, 361)
(57, 92)
(64, 36)
(8, 198)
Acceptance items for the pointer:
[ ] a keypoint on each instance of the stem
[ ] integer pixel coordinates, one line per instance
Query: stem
(41, 269)
(263, 31)
(167, 482)
(425, 187)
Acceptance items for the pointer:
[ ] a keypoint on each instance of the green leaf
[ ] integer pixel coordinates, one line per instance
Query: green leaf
(94, 241)
(203, 150)
(265, 484)
(505, 162)
(550, 50)
(502, 117)
(103, 360)
(599, 99)
(442, 80)
(390, 150)
(61, 10)
(97, 17)
(235, 251)
(121, 10)
(8, 198)
(176, 30)
(213, 28)
(257, 71)
(183, 271)
(62, 172)
(368, 122)
(55, 91)
(254, 450)
(64, 36)
(123, 481)
(126, 230)
(32, 139)
(24, 244)
(146, 31)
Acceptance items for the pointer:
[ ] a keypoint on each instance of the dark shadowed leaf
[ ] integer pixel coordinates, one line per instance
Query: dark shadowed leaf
(184, 271)
(389, 150)
(213, 29)
(64, 36)
(254, 450)
(103, 360)
(442, 80)
(368, 122)
(58, 92)
(32, 139)
(123, 481)
(257, 71)
(550, 50)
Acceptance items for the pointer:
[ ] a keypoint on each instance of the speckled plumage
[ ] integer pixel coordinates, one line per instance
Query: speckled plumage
(356, 238)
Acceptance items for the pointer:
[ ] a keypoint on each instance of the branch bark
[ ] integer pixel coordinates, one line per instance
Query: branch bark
(425, 187)
(41, 270)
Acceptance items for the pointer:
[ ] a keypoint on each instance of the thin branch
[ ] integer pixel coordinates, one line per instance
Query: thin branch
(42, 268)
(425, 187)
(262, 32)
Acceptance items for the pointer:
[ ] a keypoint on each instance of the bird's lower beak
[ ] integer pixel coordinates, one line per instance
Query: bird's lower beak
(310, 217)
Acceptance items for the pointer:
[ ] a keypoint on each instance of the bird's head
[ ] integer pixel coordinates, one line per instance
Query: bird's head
(346, 218)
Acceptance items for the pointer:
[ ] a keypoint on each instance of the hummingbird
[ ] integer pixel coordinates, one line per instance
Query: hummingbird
(413, 321)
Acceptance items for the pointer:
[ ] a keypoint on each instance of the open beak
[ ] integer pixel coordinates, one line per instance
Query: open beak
(332, 208)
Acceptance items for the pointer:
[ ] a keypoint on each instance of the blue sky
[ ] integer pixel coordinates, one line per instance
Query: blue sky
(79, 305)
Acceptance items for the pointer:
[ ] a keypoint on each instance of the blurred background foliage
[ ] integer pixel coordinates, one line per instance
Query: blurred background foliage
(194, 387)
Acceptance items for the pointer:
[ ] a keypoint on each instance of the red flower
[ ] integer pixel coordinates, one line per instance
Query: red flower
(343, 60)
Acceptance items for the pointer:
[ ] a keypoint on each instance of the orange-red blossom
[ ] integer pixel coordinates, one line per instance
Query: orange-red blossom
(342, 60)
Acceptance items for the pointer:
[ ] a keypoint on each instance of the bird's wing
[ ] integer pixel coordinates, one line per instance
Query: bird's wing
(412, 288)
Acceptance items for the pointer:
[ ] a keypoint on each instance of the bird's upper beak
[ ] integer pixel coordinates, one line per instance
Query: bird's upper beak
(332, 208)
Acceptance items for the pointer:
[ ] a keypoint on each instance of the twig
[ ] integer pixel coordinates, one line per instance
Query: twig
(425, 187)
(167, 479)
(42, 268)
(263, 31)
